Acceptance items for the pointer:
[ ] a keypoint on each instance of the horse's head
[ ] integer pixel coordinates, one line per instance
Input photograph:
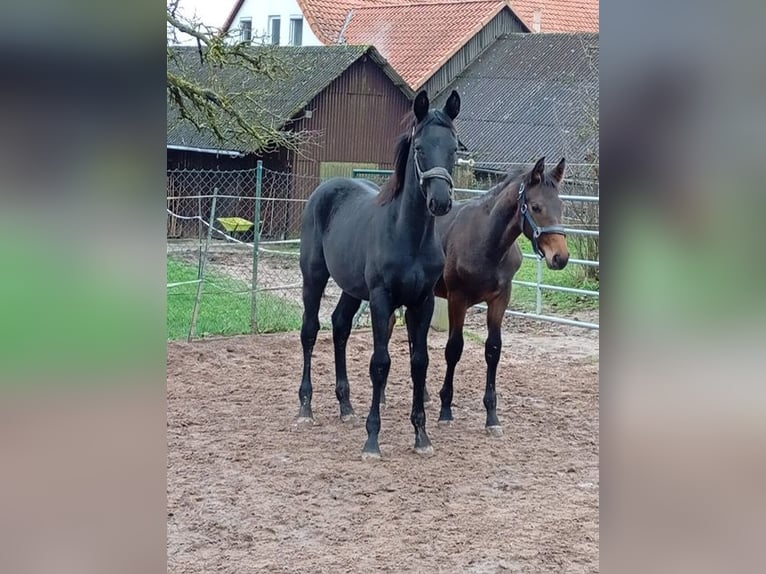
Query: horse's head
(434, 144)
(540, 208)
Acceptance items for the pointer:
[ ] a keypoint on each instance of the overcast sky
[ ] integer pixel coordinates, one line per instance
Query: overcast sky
(210, 12)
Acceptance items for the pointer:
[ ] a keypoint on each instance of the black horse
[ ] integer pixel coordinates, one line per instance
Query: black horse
(381, 247)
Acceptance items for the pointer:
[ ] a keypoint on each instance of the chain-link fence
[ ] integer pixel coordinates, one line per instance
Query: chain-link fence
(215, 255)
(212, 247)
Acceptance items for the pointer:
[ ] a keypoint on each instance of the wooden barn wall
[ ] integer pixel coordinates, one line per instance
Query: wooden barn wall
(357, 120)
(503, 23)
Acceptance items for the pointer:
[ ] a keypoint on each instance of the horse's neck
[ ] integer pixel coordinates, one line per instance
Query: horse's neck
(414, 223)
(504, 220)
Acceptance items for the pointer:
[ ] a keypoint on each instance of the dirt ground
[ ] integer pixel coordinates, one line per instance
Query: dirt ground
(250, 491)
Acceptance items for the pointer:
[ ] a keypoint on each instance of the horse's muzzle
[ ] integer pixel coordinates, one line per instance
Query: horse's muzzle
(558, 261)
(554, 247)
(438, 196)
(439, 208)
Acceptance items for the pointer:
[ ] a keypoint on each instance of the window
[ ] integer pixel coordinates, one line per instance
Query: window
(296, 30)
(245, 30)
(274, 23)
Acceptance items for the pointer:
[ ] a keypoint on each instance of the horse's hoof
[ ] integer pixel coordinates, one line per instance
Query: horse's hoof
(370, 455)
(349, 418)
(446, 423)
(424, 450)
(495, 430)
(305, 421)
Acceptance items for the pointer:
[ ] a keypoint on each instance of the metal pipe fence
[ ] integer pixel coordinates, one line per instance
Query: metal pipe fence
(245, 278)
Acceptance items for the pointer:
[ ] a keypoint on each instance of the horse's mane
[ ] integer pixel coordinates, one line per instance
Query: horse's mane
(395, 184)
(511, 176)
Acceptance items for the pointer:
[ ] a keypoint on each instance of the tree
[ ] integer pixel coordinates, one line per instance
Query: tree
(201, 87)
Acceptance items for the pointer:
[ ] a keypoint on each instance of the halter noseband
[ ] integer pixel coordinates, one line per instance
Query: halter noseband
(537, 231)
(433, 173)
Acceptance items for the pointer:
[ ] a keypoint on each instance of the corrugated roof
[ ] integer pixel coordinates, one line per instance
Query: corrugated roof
(419, 36)
(311, 70)
(530, 95)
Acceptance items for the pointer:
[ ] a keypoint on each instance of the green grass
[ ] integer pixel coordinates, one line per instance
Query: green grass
(523, 297)
(225, 306)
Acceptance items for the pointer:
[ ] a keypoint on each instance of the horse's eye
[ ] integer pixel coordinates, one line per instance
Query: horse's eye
(535, 208)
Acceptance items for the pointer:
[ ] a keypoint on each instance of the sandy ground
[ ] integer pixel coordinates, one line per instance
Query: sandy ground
(250, 491)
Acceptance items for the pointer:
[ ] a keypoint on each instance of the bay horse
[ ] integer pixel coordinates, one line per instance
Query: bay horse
(381, 247)
(482, 256)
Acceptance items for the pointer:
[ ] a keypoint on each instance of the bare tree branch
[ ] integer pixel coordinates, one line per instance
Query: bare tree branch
(204, 94)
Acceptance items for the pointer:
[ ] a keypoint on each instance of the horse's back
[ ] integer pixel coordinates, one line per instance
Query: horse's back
(336, 225)
(334, 197)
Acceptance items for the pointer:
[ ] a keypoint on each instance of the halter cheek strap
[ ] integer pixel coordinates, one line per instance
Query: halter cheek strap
(537, 231)
(433, 173)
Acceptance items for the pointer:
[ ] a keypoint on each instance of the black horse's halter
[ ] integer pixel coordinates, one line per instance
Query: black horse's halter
(537, 231)
(433, 173)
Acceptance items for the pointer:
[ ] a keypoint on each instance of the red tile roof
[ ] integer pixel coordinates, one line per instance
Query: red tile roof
(327, 17)
(417, 39)
(558, 15)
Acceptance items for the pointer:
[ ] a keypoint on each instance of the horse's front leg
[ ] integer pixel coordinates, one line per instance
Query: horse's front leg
(381, 309)
(418, 320)
(426, 397)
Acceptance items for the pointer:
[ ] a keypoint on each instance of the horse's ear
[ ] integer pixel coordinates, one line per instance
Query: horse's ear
(536, 175)
(452, 107)
(558, 172)
(420, 107)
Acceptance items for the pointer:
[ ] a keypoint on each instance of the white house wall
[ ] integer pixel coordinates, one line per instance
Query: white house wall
(259, 12)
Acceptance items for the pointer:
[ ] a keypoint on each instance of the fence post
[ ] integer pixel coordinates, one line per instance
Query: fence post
(539, 298)
(199, 237)
(195, 312)
(440, 318)
(256, 245)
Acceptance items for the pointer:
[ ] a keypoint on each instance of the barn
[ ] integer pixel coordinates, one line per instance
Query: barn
(347, 99)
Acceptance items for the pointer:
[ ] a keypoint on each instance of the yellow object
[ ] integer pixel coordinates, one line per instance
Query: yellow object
(235, 223)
